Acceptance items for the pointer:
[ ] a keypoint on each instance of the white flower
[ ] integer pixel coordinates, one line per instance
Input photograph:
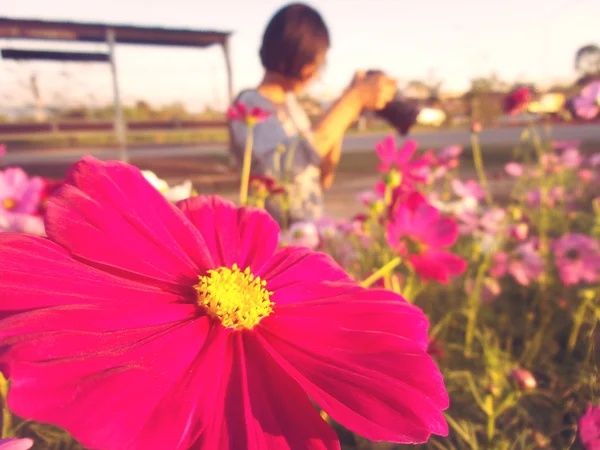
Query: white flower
(303, 234)
(172, 194)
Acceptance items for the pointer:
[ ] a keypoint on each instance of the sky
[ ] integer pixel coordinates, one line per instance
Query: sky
(521, 40)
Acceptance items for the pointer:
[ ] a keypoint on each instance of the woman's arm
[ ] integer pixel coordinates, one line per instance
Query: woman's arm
(329, 164)
(371, 91)
(330, 129)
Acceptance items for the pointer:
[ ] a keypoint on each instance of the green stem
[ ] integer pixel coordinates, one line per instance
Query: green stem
(407, 292)
(474, 303)
(577, 322)
(289, 161)
(478, 161)
(388, 195)
(491, 418)
(246, 166)
(6, 415)
(381, 272)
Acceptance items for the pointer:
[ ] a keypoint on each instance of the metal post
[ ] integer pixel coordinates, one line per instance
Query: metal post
(225, 46)
(119, 120)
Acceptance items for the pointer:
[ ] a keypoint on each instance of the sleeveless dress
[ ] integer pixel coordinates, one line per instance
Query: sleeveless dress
(282, 141)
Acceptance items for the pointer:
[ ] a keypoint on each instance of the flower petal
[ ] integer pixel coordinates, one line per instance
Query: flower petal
(292, 266)
(379, 384)
(42, 274)
(108, 215)
(70, 380)
(247, 237)
(440, 233)
(251, 415)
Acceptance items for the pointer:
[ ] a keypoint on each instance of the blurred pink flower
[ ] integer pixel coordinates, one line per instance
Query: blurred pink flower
(16, 444)
(524, 378)
(419, 233)
(563, 145)
(445, 160)
(585, 104)
(524, 264)
(368, 197)
(22, 223)
(18, 192)
(327, 228)
(520, 231)
(571, 158)
(585, 175)
(517, 101)
(514, 169)
(577, 258)
(489, 223)
(302, 234)
(410, 170)
(556, 194)
(239, 112)
(469, 188)
(589, 428)
(595, 159)
(490, 289)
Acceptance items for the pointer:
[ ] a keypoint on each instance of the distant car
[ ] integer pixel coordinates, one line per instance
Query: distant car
(552, 103)
(431, 117)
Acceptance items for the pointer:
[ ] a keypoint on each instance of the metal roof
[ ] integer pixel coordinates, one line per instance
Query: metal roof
(97, 32)
(48, 55)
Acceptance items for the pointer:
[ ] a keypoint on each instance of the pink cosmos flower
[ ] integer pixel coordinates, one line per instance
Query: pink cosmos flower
(524, 378)
(469, 188)
(520, 231)
(410, 170)
(418, 233)
(595, 159)
(517, 101)
(586, 105)
(556, 194)
(490, 289)
(490, 223)
(22, 223)
(589, 428)
(524, 264)
(445, 160)
(138, 322)
(16, 444)
(514, 169)
(563, 145)
(585, 175)
(302, 234)
(577, 258)
(368, 197)
(251, 117)
(571, 158)
(18, 192)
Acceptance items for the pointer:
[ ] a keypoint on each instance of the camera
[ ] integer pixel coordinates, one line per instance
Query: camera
(399, 113)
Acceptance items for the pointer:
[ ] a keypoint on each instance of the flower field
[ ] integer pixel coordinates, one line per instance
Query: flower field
(444, 316)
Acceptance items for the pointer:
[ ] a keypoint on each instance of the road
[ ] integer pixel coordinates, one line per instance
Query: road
(352, 144)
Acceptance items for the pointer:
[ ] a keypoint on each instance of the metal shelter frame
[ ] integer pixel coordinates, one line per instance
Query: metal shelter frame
(111, 35)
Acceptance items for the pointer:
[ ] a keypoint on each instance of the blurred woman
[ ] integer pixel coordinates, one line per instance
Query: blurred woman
(293, 54)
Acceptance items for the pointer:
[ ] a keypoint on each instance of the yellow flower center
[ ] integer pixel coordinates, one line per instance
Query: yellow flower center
(415, 247)
(236, 298)
(9, 203)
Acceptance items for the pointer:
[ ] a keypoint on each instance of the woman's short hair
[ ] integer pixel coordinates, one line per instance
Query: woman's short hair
(294, 38)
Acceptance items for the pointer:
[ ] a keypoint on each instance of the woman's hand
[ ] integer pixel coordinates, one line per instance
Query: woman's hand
(375, 89)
